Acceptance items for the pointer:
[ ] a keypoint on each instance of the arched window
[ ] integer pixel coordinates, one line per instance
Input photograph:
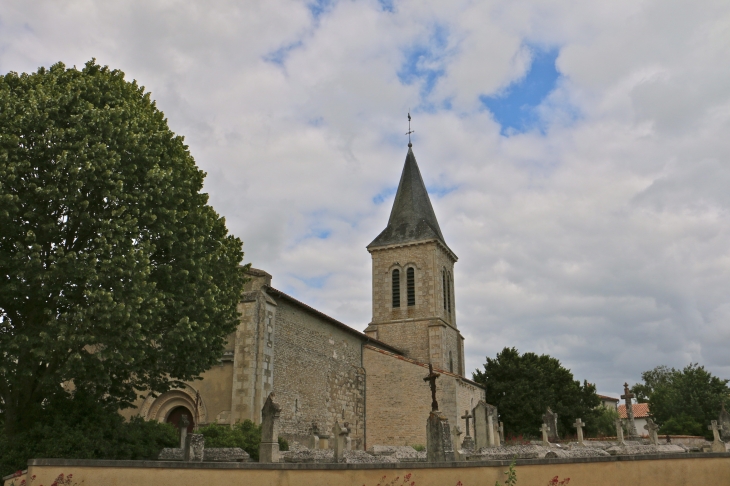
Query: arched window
(443, 277)
(411, 286)
(396, 288)
(448, 293)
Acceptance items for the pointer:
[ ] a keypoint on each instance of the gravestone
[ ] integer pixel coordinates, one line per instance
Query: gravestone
(620, 432)
(501, 432)
(468, 443)
(340, 434)
(579, 427)
(194, 449)
(545, 441)
(314, 438)
(269, 447)
(724, 421)
(717, 444)
(652, 428)
(438, 438)
(481, 426)
(493, 419)
(551, 420)
(627, 396)
(183, 424)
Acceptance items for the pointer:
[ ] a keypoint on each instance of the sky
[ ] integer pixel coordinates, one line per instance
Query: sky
(576, 153)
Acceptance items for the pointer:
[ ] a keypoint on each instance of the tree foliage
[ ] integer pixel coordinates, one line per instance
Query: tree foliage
(115, 274)
(682, 401)
(246, 435)
(523, 386)
(83, 428)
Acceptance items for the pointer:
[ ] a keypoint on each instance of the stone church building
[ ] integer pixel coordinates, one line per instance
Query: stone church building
(323, 370)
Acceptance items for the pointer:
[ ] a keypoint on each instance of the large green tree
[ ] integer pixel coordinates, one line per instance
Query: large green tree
(115, 273)
(683, 401)
(523, 386)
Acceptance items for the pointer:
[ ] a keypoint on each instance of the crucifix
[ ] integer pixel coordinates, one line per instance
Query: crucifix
(409, 130)
(627, 396)
(467, 417)
(431, 379)
(579, 425)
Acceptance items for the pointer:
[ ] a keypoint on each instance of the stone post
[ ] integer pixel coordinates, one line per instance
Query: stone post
(579, 426)
(269, 447)
(717, 444)
(340, 434)
(724, 422)
(652, 428)
(194, 448)
(438, 438)
(490, 431)
(545, 429)
(501, 432)
(183, 424)
(494, 415)
(481, 426)
(620, 432)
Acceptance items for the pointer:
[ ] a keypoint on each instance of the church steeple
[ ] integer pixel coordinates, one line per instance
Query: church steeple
(412, 218)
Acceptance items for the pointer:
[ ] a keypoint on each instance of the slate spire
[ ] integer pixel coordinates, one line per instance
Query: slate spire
(412, 218)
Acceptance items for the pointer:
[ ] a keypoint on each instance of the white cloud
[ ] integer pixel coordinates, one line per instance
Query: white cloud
(603, 242)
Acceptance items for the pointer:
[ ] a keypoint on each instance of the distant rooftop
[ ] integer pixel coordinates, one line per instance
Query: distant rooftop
(641, 410)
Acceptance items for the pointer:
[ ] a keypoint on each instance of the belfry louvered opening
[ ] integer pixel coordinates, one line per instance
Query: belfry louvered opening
(396, 288)
(411, 286)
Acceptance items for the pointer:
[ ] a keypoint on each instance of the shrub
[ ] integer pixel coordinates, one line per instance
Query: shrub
(245, 435)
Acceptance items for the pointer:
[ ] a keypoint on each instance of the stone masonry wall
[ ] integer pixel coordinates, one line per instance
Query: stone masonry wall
(318, 375)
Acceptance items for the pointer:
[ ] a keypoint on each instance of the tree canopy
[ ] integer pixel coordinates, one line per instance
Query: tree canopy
(115, 273)
(522, 387)
(682, 401)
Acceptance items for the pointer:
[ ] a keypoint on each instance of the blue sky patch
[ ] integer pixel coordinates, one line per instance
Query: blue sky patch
(440, 191)
(387, 5)
(384, 195)
(422, 63)
(515, 108)
(319, 7)
(279, 56)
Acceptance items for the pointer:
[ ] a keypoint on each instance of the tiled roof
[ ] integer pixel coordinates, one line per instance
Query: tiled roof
(604, 397)
(641, 410)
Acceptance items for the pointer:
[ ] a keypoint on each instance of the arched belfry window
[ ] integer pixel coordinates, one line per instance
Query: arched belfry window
(411, 286)
(396, 288)
(443, 286)
(448, 293)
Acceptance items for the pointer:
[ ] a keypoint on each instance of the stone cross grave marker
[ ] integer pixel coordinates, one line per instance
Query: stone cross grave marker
(652, 428)
(431, 379)
(183, 424)
(620, 431)
(341, 435)
(501, 432)
(481, 425)
(544, 430)
(493, 419)
(724, 421)
(579, 426)
(468, 441)
(551, 419)
(269, 447)
(717, 444)
(627, 396)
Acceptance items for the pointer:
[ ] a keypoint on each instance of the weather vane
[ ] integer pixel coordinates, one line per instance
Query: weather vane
(409, 129)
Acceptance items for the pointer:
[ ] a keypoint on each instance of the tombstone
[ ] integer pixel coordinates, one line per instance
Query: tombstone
(438, 438)
(481, 426)
(183, 424)
(269, 447)
(551, 420)
(340, 434)
(627, 396)
(717, 444)
(501, 432)
(724, 421)
(468, 443)
(493, 419)
(579, 427)
(620, 432)
(313, 442)
(194, 449)
(545, 441)
(652, 428)
(456, 434)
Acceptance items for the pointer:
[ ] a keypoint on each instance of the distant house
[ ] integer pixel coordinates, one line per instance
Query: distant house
(641, 413)
(609, 402)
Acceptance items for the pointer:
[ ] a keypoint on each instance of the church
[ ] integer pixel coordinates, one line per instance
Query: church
(323, 370)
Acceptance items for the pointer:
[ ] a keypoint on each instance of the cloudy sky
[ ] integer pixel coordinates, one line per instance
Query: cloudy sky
(577, 152)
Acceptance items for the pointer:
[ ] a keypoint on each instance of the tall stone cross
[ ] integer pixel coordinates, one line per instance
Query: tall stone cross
(544, 430)
(467, 417)
(579, 426)
(627, 396)
(652, 428)
(183, 424)
(431, 379)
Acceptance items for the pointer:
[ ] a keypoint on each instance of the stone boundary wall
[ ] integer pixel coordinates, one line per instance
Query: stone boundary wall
(657, 470)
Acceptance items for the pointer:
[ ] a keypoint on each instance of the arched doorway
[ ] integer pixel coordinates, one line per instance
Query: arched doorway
(176, 414)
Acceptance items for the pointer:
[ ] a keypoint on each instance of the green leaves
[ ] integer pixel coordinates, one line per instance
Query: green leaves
(107, 244)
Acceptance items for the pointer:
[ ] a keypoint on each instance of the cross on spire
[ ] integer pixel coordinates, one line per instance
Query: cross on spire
(409, 130)
(431, 379)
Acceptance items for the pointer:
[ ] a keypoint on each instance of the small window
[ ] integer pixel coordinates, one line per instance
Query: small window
(451, 362)
(411, 286)
(396, 288)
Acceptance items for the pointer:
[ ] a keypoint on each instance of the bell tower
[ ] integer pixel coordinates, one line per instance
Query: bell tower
(414, 308)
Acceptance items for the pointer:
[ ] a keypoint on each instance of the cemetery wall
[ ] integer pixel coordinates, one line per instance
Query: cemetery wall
(318, 374)
(711, 469)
